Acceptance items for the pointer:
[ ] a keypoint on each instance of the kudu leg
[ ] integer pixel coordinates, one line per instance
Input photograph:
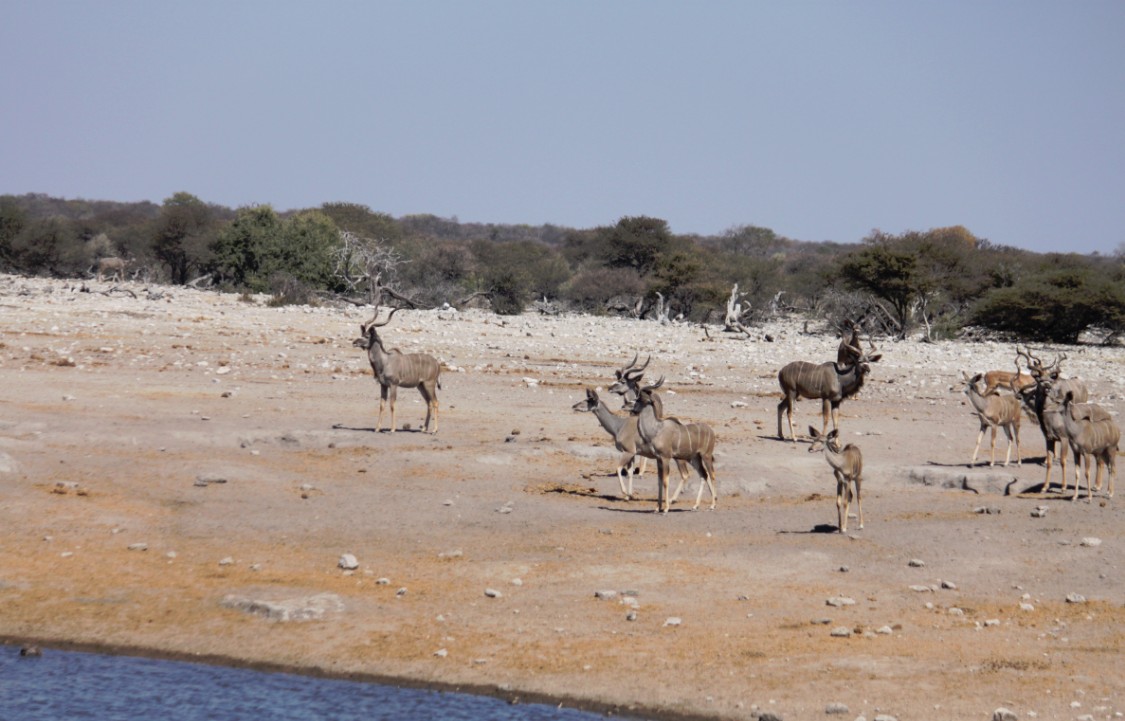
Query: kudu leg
(980, 437)
(842, 499)
(683, 468)
(859, 502)
(392, 395)
(382, 403)
(661, 485)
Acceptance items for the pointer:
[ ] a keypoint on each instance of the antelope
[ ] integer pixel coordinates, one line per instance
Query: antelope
(1092, 433)
(830, 382)
(849, 341)
(668, 438)
(995, 411)
(1009, 380)
(115, 267)
(1043, 400)
(625, 439)
(847, 466)
(628, 383)
(394, 369)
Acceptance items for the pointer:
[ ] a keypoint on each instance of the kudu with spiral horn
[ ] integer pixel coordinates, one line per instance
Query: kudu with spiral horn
(394, 369)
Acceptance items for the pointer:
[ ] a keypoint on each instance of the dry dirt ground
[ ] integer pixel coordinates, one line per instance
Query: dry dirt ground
(236, 443)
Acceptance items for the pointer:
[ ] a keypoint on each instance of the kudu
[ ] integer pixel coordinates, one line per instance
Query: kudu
(847, 466)
(830, 382)
(114, 267)
(1043, 401)
(628, 383)
(394, 369)
(994, 411)
(665, 438)
(1092, 434)
(626, 438)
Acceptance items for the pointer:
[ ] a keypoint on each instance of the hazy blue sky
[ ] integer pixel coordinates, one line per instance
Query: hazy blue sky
(820, 120)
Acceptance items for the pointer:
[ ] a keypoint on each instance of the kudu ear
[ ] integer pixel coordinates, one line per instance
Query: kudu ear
(814, 433)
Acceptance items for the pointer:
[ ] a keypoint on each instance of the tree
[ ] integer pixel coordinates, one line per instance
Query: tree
(1056, 304)
(181, 235)
(241, 248)
(636, 243)
(886, 270)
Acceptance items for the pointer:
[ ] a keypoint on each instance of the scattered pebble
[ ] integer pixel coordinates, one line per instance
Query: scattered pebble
(673, 621)
(1003, 714)
(1091, 542)
(917, 563)
(1075, 598)
(348, 562)
(842, 632)
(493, 593)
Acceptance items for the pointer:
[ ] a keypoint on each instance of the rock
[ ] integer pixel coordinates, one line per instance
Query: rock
(441, 653)
(348, 562)
(949, 585)
(673, 621)
(1026, 607)
(839, 601)
(1039, 512)
(1003, 714)
(204, 480)
(30, 651)
(138, 546)
(1091, 542)
(605, 595)
(835, 708)
(916, 563)
(884, 630)
(226, 561)
(631, 616)
(842, 632)
(987, 510)
(921, 589)
(8, 464)
(493, 593)
(307, 608)
(1075, 598)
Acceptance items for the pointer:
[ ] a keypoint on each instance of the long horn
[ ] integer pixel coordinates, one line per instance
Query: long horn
(372, 324)
(655, 385)
(637, 372)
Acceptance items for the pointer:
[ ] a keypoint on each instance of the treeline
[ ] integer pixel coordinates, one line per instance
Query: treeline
(942, 280)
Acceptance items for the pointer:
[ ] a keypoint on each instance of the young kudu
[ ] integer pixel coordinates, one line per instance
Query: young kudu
(847, 466)
(1092, 434)
(394, 369)
(994, 411)
(830, 382)
(666, 438)
(626, 438)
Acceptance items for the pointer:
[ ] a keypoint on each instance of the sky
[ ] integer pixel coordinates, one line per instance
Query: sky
(821, 120)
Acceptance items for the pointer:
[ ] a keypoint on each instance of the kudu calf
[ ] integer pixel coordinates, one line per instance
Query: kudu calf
(830, 382)
(847, 466)
(394, 369)
(994, 411)
(1092, 433)
(626, 438)
(665, 439)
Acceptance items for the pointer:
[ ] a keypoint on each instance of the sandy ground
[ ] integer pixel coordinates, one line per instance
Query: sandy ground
(163, 454)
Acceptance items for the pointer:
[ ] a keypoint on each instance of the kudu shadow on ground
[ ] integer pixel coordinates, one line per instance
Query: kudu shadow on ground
(826, 528)
(342, 427)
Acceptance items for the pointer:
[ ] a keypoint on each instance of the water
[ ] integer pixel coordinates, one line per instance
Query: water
(66, 686)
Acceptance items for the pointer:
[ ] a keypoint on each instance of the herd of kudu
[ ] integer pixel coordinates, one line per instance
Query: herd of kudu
(643, 431)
